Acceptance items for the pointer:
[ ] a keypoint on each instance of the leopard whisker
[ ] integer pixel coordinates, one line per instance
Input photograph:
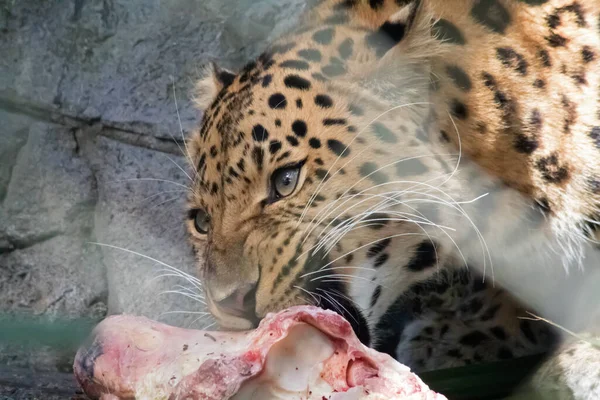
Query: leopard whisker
(414, 183)
(171, 273)
(174, 275)
(334, 268)
(330, 297)
(384, 195)
(321, 277)
(189, 296)
(187, 150)
(152, 180)
(311, 294)
(180, 168)
(317, 190)
(165, 202)
(163, 192)
(169, 267)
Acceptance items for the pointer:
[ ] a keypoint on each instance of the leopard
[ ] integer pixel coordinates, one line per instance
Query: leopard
(396, 161)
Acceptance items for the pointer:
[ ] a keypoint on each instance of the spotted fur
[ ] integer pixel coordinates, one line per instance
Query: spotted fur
(398, 115)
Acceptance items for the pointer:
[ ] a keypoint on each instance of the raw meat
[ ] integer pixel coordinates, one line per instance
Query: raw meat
(300, 353)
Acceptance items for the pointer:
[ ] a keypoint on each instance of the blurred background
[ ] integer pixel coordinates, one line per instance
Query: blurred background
(94, 105)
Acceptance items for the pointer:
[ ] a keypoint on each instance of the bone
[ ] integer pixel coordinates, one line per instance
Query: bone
(300, 353)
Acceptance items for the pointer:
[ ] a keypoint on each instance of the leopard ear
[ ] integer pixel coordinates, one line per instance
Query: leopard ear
(398, 26)
(213, 79)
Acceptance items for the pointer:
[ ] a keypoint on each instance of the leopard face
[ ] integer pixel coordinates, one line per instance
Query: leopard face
(309, 191)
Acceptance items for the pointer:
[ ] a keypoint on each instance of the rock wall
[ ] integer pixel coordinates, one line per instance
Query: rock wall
(94, 107)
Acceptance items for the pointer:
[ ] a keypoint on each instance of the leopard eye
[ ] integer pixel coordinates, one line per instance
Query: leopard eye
(201, 221)
(284, 181)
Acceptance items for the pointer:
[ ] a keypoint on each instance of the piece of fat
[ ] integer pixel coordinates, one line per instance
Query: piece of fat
(302, 353)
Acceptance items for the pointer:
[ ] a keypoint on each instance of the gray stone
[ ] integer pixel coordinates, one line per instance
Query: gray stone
(62, 276)
(51, 189)
(139, 212)
(120, 59)
(14, 129)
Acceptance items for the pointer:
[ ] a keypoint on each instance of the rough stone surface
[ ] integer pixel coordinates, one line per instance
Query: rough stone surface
(141, 209)
(95, 94)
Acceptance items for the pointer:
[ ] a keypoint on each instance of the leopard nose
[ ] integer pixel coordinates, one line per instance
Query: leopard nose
(241, 303)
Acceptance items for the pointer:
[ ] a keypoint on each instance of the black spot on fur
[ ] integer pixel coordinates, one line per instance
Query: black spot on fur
(504, 353)
(282, 48)
(345, 48)
(534, 2)
(459, 109)
(213, 151)
(319, 77)
(296, 82)
(384, 134)
(321, 173)
(292, 140)
(336, 19)
(460, 77)
(380, 260)
(310, 54)
(545, 58)
(425, 256)
(455, 353)
(338, 148)
(277, 101)
(551, 169)
(267, 79)
(295, 64)
(524, 144)
(299, 128)
(473, 307)
(491, 14)
(274, 146)
(410, 167)
(574, 8)
(488, 80)
(323, 100)
(369, 170)
(324, 36)
(333, 69)
(525, 327)
(587, 54)
(259, 133)
(314, 143)
(555, 40)
(595, 135)
(375, 296)
(355, 110)
(257, 157)
(334, 121)
(375, 4)
(539, 83)
(447, 32)
(386, 37)
(473, 339)
(345, 4)
(490, 312)
(498, 332)
(277, 122)
(299, 103)
(511, 59)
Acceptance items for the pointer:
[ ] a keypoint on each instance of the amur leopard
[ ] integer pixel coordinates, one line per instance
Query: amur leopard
(391, 159)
